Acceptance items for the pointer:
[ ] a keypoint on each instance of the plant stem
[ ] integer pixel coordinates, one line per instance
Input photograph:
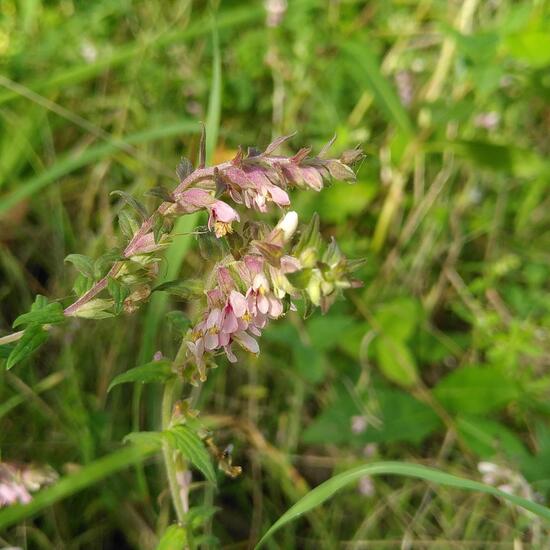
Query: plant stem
(169, 462)
(146, 226)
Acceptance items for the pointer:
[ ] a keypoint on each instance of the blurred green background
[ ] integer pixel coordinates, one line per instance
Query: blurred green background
(441, 358)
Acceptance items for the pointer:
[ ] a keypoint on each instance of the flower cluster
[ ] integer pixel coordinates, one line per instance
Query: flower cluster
(260, 271)
(17, 481)
(257, 179)
(243, 297)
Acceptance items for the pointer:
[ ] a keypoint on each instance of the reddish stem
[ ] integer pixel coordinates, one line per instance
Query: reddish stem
(146, 226)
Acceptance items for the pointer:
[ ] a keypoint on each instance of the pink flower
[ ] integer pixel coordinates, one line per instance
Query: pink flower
(221, 214)
(221, 217)
(143, 245)
(252, 187)
(18, 480)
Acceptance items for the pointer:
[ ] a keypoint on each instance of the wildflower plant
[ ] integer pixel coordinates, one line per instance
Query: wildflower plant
(255, 273)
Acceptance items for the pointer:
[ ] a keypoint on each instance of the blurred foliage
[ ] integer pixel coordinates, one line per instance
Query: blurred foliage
(441, 358)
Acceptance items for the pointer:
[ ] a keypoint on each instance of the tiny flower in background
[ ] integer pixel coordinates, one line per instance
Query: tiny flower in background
(505, 479)
(366, 486)
(404, 83)
(276, 10)
(17, 481)
(370, 450)
(487, 121)
(88, 51)
(358, 424)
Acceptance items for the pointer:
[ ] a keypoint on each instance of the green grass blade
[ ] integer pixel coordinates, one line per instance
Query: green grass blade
(71, 484)
(366, 69)
(215, 98)
(81, 73)
(71, 162)
(182, 241)
(327, 489)
(174, 538)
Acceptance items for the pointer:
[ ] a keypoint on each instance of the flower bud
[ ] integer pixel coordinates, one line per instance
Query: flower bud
(288, 225)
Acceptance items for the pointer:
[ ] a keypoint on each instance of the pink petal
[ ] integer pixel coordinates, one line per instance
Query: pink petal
(224, 338)
(214, 297)
(238, 303)
(225, 280)
(194, 199)
(254, 263)
(256, 175)
(278, 196)
(224, 213)
(255, 330)
(213, 318)
(260, 281)
(246, 341)
(260, 320)
(263, 303)
(312, 178)
(211, 341)
(289, 264)
(243, 325)
(275, 307)
(251, 301)
(293, 173)
(230, 355)
(238, 177)
(143, 245)
(230, 323)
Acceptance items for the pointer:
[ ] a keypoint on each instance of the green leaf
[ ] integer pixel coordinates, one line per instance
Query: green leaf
(402, 417)
(508, 159)
(119, 292)
(83, 264)
(174, 538)
(155, 371)
(190, 445)
(153, 439)
(6, 349)
(398, 319)
(160, 192)
(327, 331)
(133, 202)
(476, 390)
(84, 477)
(178, 320)
(213, 114)
(366, 69)
(82, 285)
(530, 46)
(488, 438)
(187, 289)
(51, 314)
(184, 169)
(95, 309)
(199, 515)
(396, 361)
(127, 223)
(327, 489)
(339, 202)
(308, 361)
(32, 339)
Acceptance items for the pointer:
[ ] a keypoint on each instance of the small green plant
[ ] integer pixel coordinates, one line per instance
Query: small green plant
(252, 273)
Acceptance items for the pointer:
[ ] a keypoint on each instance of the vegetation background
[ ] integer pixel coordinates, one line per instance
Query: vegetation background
(442, 358)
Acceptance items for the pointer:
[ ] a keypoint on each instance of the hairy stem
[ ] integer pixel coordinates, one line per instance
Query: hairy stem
(169, 462)
(146, 226)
